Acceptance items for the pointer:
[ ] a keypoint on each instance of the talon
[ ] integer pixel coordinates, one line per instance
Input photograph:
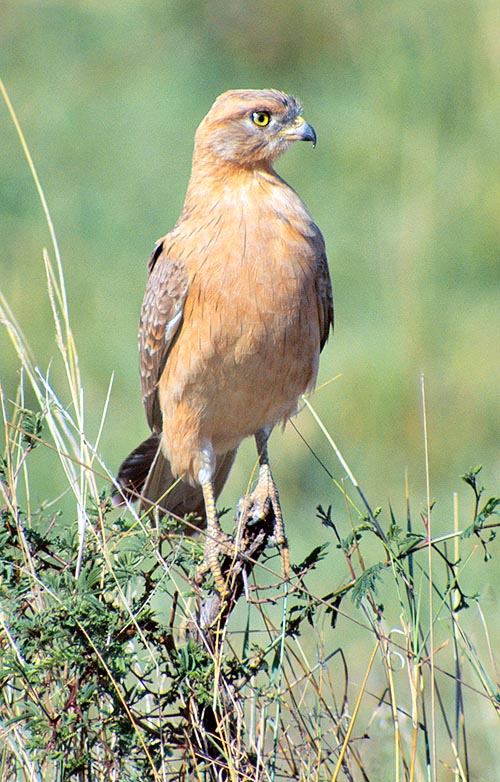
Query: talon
(201, 571)
(271, 492)
(212, 551)
(212, 566)
(285, 559)
(217, 542)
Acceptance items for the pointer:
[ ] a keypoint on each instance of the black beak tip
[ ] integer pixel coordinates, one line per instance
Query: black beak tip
(310, 135)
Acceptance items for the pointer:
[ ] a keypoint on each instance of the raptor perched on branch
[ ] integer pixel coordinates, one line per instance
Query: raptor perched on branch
(237, 308)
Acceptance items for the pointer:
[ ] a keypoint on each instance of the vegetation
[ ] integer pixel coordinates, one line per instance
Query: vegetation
(378, 660)
(109, 670)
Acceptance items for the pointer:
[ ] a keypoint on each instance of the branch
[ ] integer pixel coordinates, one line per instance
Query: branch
(213, 729)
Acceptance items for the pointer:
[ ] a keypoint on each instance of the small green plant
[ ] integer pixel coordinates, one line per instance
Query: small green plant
(109, 671)
(102, 677)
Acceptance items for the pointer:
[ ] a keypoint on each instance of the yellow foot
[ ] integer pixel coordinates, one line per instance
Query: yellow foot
(214, 546)
(258, 505)
(266, 483)
(279, 531)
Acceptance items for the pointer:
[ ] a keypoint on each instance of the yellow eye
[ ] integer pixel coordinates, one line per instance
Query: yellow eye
(261, 118)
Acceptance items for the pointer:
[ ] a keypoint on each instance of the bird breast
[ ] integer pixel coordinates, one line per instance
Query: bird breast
(249, 343)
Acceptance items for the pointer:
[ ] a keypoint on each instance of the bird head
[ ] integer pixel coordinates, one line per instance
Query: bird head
(251, 127)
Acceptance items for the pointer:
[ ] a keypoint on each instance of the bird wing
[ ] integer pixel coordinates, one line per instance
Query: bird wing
(161, 318)
(323, 290)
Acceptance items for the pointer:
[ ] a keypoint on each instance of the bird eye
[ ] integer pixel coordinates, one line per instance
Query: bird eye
(261, 118)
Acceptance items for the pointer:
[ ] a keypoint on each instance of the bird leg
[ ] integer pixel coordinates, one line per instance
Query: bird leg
(216, 541)
(266, 482)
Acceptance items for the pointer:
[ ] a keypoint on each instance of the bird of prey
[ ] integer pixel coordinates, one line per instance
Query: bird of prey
(237, 308)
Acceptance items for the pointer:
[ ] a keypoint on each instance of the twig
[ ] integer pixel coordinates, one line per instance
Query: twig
(214, 728)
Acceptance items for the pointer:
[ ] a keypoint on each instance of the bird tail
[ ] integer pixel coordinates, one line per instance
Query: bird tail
(145, 475)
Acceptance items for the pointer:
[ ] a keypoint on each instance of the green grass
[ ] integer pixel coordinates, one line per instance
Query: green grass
(404, 185)
(387, 670)
(100, 681)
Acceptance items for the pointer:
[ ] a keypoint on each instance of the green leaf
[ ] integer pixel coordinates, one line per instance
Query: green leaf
(32, 426)
(367, 582)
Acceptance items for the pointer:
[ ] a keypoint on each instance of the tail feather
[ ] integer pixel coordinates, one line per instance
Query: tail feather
(145, 475)
(134, 470)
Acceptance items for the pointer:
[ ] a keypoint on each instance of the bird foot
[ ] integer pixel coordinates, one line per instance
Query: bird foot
(216, 544)
(257, 506)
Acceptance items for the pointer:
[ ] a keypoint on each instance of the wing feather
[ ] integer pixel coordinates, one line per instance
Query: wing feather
(323, 289)
(161, 318)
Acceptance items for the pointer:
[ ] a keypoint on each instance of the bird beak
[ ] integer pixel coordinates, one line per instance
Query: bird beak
(300, 130)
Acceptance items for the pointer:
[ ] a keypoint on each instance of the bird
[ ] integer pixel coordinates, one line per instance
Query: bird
(237, 308)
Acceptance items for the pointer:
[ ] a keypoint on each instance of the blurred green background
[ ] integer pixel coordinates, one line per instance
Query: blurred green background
(404, 184)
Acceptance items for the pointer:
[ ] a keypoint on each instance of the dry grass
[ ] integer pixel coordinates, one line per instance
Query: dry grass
(387, 670)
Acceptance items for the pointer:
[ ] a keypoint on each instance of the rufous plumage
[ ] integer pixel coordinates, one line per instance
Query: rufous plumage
(237, 308)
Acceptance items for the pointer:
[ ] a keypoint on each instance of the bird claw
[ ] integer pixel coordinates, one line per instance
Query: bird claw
(217, 544)
(253, 508)
(256, 507)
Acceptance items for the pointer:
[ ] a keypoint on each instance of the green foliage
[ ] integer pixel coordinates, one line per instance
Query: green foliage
(32, 426)
(66, 668)
(96, 679)
(99, 677)
(366, 583)
(482, 514)
(403, 184)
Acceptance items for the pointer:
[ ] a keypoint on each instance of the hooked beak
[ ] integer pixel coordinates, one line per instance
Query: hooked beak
(300, 130)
